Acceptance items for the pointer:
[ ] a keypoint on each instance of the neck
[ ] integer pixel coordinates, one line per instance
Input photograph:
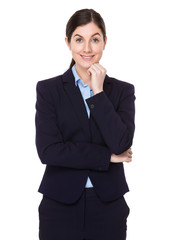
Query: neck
(83, 74)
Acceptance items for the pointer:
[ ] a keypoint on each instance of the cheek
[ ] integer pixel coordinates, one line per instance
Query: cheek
(99, 54)
(98, 57)
(76, 49)
(98, 49)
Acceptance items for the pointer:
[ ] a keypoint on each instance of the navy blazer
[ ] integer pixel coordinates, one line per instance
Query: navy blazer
(74, 146)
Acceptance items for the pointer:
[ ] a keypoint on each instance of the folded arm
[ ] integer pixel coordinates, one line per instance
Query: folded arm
(116, 125)
(51, 147)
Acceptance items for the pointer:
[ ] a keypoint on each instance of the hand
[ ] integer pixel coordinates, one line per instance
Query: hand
(97, 73)
(123, 157)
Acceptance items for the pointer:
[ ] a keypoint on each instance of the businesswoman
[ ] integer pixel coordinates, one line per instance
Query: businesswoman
(84, 131)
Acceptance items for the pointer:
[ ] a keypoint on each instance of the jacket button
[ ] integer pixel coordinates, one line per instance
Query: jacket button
(100, 168)
(92, 106)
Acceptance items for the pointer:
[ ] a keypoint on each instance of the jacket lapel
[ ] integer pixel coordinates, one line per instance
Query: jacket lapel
(75, 96)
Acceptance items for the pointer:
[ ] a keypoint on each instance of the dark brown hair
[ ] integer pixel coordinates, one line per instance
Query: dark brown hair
(83, 17)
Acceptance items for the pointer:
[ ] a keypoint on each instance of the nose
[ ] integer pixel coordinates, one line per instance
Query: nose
(87, 47)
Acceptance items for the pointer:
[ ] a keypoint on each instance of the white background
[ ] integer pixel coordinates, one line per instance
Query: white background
(139, 51)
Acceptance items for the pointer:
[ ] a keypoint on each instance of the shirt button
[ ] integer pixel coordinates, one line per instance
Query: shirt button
(92, 106)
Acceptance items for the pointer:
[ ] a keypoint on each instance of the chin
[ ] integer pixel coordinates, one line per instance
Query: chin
(89, 64)
(86, 65)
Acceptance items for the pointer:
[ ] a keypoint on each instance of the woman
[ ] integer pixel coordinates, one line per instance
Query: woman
(84, 131)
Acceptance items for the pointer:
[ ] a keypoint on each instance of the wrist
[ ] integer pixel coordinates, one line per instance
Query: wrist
(97, 91)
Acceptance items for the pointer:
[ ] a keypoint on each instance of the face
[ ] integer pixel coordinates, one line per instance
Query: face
(86, 45)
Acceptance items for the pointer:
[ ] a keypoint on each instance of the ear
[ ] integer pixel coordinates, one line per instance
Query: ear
(68, 44)
(105, 42)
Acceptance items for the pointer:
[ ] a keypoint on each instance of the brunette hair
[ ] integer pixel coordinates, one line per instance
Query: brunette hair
(83, 17)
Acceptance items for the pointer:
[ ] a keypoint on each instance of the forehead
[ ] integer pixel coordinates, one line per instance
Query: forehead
(87, 30)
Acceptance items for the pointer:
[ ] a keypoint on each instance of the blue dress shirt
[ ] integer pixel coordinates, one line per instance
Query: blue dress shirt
(86, 92)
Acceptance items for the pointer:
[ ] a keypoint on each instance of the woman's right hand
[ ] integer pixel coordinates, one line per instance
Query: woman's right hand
(123, 157)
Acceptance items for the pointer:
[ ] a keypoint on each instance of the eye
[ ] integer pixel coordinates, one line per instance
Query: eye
(95, 40)
(79, 40)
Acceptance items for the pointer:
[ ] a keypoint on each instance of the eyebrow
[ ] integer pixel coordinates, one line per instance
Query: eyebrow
(91, 36)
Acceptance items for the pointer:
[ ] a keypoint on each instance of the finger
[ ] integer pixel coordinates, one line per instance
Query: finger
(100, 67)
(96, 69)
(91, 71)
(130, 152)
(129, 160)
(129, 155)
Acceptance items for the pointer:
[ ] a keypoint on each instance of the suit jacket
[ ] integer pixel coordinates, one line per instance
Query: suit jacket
(74, 146)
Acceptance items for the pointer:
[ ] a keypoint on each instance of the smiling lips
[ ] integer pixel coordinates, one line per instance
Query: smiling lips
(87, 58)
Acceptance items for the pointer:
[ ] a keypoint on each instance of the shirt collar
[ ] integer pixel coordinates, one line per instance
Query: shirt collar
(77, 78)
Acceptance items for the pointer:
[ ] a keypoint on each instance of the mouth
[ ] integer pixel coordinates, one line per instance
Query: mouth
(87, 58)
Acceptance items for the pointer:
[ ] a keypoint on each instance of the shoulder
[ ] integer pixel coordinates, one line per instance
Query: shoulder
(58, 81)
(48, 89)
(50, 86)
(50, 82)
(120, 85)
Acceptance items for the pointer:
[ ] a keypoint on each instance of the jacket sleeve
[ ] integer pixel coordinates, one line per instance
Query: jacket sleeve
(116, 125)
(52, 149)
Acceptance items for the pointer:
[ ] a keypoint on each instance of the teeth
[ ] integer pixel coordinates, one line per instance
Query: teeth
(87, 57)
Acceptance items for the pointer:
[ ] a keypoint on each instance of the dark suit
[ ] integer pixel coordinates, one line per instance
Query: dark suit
(74, 147)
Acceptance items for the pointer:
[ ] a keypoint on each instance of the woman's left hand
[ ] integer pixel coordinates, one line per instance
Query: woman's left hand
(123, 157)
(97, 73)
